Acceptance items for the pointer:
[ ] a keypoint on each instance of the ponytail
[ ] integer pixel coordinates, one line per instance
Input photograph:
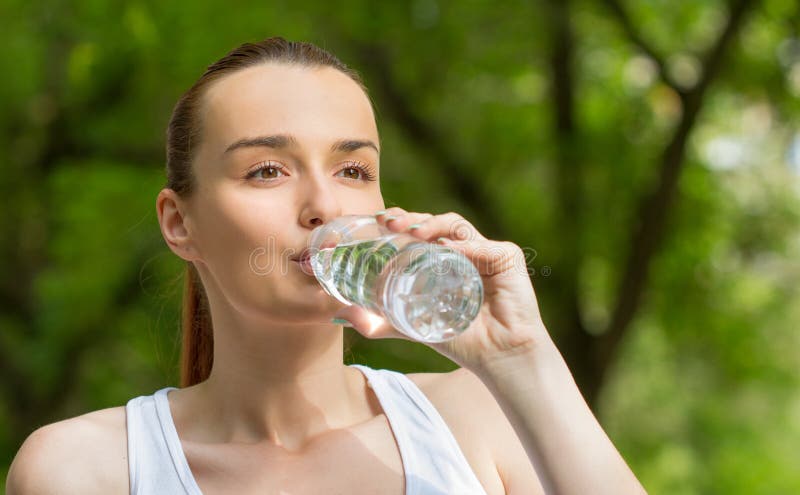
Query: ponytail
(197, 349)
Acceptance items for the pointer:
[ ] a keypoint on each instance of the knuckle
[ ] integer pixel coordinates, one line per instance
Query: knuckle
(458, 227)
(502, 257)
(461, 230)
(422, 217)
(511, 248)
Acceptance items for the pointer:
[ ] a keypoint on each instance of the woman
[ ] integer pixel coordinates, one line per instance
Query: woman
(273, 140)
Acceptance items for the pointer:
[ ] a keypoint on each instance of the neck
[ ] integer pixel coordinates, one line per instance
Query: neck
(274, 381)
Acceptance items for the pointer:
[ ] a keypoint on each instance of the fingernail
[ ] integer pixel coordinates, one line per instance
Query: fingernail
(380, 212)
(341, 321)
(443, 240)
(389, 218)
(415, 226)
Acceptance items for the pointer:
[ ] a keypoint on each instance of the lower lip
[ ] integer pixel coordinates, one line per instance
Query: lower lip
(305, 265)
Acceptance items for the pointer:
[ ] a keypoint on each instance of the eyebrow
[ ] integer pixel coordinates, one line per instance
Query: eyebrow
(280, 141)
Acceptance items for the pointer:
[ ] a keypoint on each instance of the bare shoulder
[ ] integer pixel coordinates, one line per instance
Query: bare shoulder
(86, 454)
(466, 403)
(453, 391)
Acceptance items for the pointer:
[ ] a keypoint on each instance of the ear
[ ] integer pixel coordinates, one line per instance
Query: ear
(172, 218)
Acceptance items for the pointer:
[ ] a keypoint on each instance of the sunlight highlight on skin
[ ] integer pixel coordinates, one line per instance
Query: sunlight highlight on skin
(375, 322)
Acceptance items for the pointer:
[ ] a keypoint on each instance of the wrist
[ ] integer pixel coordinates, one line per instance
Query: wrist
(523, 367)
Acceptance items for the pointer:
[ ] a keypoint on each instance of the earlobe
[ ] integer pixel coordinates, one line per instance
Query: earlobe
(172, 219)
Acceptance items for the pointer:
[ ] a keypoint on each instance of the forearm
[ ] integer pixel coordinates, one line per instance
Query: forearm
(555, 425)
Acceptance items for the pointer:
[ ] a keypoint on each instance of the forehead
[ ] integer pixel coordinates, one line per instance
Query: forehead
(311, 103)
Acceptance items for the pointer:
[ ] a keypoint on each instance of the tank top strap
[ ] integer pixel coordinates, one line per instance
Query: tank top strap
(433, 461)
(156, 463)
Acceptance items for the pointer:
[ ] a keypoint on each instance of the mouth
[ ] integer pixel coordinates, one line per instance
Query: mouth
(303, 257)
(303, 261)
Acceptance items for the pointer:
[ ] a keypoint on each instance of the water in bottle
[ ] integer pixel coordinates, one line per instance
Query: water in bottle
(427, 291)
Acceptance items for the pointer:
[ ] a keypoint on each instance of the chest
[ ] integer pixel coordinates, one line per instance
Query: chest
(360, 460)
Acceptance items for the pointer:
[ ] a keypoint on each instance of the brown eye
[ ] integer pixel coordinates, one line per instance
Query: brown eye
(357, 171)
(271, 172)
(265, 172)
(352, 173)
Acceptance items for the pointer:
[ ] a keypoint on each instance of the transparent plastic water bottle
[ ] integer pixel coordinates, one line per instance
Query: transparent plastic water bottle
(429, 292)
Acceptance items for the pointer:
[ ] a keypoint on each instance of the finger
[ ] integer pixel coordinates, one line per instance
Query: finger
(369, 324)
(450, 225)
(397, 219)
(392, 210)
(490, 257)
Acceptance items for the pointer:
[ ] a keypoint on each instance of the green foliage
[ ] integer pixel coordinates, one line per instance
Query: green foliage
(701, 394)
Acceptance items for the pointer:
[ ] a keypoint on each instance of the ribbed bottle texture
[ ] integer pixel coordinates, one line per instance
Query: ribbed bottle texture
(427, 291)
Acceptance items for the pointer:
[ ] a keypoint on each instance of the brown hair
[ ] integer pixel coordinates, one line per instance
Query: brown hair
(183, 137)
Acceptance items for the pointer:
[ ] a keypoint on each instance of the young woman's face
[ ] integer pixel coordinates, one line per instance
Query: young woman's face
(284, 149)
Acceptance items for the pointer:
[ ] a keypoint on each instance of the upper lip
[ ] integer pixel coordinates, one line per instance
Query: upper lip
(304, 254)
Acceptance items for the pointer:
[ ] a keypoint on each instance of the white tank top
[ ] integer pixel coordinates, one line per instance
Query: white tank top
(433, 463)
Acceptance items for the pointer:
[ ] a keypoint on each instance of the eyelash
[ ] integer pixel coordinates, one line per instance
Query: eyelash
(366, 172)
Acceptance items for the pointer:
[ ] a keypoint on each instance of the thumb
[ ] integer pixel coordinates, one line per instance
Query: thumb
(368, 324)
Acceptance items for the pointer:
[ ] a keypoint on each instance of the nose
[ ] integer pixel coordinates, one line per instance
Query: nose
(320, 203)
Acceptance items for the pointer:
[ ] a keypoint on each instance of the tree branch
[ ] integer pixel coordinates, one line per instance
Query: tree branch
(574, 341)
(655, 206)
(428, 139)
(635, 37)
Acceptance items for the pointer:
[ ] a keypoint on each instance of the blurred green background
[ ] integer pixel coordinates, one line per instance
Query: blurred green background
(646, 154)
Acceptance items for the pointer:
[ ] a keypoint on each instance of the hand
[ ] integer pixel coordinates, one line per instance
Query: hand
(508, 324)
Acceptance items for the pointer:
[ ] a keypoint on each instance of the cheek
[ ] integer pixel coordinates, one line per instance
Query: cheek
(236, 232)
(241, 244)
(363, 202)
